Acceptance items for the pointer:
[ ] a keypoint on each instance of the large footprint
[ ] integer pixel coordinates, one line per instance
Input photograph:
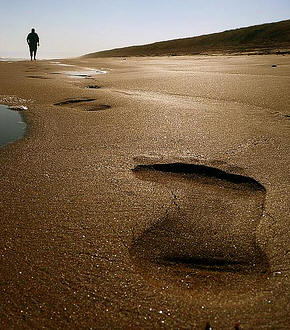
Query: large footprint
(214, 223)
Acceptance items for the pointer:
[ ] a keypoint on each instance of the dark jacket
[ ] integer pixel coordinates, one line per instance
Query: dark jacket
(32, 39)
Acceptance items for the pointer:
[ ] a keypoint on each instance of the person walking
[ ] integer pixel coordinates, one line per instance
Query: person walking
(33, 41)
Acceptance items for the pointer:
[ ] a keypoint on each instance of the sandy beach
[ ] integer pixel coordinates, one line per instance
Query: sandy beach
(155, 195)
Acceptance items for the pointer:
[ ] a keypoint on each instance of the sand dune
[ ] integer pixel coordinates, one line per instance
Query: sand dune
(258, 39)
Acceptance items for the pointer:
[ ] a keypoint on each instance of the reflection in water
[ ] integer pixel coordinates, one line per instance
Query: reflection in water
(12, 125)
(61, 64)
(84, 73)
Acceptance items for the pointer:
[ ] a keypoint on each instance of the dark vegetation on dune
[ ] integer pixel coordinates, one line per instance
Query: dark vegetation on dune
(261, 39)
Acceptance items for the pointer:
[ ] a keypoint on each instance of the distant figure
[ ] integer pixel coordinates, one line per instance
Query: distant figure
(33, 41)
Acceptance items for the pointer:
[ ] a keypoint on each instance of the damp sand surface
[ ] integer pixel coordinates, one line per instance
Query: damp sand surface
(167, 208)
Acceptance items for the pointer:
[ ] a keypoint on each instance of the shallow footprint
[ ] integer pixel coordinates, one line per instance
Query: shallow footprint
(72, 101)
(94, 86)
(211, 230)
(38, 77)
(99, 107)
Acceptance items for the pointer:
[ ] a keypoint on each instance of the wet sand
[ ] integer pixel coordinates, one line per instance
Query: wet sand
(156, 198)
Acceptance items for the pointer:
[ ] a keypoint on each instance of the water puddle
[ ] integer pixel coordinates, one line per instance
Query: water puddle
(11, 59)
(84, 73)
(61, 64)
(12, 125)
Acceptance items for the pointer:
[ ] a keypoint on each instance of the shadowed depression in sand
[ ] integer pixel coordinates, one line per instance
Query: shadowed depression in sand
(197, 237)
(199, 230)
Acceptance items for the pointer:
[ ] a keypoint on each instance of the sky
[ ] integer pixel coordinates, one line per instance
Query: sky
(69, 28)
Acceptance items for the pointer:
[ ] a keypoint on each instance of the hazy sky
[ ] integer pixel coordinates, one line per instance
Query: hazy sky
(76, 27)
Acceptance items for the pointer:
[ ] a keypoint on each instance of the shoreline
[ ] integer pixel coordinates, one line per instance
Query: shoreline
(73, 211)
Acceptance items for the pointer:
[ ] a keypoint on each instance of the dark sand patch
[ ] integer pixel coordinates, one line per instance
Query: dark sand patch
(94, 86)
(81, 75)
(211, 229)
(73, 101)
(37, 77)
(100, 107)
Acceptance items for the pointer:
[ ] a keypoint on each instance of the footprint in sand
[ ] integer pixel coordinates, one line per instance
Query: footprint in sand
(94, 87)
(37, 77)
(212, 227)
(73, 101)
(94, 107)
(99, 107)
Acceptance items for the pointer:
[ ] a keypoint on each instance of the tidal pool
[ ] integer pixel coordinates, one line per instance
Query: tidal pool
(12, 125)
